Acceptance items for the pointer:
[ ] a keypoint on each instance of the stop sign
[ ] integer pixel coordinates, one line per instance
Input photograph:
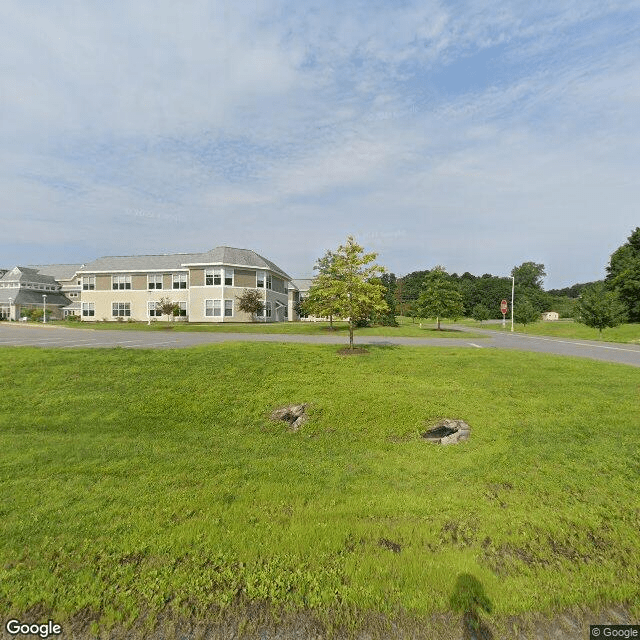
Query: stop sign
(503, 306)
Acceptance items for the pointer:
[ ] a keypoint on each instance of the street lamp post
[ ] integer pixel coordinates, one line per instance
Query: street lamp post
(44, 308)
(10, 301)
(513, 286)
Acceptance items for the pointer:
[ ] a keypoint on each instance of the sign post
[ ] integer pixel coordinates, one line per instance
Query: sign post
(503, 308)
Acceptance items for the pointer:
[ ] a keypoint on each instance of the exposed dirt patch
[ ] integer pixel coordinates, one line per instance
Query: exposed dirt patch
(295, 415)
(390, 544)
(448, 431)
(356, 351)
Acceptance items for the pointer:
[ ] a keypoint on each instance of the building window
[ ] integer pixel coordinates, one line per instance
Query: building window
(260, 279)
(268, 281)
(228, 308)
(179, 280)
(267, 306)
(88, 309)
(121, 309)
(228, 277)
(154, 310)
(154, 281)
(213, 277)
(88, 283)
(121, 282)
(213, 308)
(182, 309)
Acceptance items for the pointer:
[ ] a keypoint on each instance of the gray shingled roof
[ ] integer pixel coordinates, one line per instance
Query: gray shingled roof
(57, 271)
(302, 284)
(219, 255)
(27, 274)
(25, 296)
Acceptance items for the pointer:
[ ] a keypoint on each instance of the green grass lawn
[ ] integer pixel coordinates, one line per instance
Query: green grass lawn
(154, 481)
(406, 328)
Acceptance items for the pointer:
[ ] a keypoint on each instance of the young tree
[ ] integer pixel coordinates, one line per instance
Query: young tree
(480, 313)
(440, 297)
(250, 301)
(599, 308)
(167, 307)
(348, 284)
(524, 312)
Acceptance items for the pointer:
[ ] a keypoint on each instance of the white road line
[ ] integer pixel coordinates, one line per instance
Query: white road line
(578, 344)
(473, 344)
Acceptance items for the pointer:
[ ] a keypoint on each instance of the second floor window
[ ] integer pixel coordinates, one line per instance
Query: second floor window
(228, 277)
(154, 281)
(213, 277)
(88, 283)
(179, 280)
(121, 282)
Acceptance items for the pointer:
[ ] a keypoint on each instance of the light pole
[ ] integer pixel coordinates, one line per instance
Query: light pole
(44, 308)
(10, 301)
(513, 286)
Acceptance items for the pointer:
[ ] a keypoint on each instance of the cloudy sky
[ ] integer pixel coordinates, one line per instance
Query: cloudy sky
(474, 134)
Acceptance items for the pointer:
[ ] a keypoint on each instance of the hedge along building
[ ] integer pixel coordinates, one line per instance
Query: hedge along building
(205, 286)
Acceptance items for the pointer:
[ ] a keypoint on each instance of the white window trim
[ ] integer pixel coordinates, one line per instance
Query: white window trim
(119, 315)
(232, 308)
(121, 280)
(156, 277)
(227, 273)
(213, 307)
(181, 277)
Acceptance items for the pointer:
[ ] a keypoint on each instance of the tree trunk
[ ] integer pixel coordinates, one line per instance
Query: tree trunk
(350, 334)
(331, 321)
(438, 319)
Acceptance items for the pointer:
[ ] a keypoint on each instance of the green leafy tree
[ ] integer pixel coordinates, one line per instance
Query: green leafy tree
(250, 301)
(349, 284)
(388, 318)
(599, 308)
(623, 275)
(480, 313)
(440, 297)
(528, 284)
(524, 312)
(321, 300)
(168, 308)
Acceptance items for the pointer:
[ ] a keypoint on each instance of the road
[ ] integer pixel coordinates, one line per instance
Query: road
(13, 334)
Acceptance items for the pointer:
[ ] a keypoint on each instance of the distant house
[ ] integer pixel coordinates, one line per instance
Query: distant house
(550, 315)
(204, 286)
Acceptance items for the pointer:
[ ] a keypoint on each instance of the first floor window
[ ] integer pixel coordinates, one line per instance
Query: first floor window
(154, 309)
(121, 282)
(121, 309)
(88, 309)
(154, 281)
(267, 306)
(213, 277)
(213, 308)
(179, 280)
(88, 283)
(228, 308)
(182, 309)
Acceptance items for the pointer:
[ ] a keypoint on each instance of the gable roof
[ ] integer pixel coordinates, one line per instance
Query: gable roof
(57, 271)
(27, 274)
(180, 261)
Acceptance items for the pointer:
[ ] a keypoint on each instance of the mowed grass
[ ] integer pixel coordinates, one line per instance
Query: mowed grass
(626, 333)
(406, 328)
(148, 481)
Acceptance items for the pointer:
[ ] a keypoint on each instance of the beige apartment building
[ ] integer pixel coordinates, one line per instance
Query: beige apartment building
(204, 285)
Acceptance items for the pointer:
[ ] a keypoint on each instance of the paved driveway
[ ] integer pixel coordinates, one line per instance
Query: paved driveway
(64, 337)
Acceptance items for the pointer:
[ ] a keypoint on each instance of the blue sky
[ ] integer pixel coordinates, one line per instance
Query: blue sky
(476, 135)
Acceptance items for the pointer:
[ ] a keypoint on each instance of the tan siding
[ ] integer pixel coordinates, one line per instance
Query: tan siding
(196, 277)
(167, 281)
(245, 278)
(103, 283)
(139, 282)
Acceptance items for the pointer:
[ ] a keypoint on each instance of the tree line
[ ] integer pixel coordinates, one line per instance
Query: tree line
(349, 285)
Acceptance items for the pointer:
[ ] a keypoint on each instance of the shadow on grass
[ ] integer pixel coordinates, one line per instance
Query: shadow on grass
(469, 599)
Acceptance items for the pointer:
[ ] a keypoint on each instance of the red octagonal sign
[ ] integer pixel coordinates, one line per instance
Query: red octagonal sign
(503, 306)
